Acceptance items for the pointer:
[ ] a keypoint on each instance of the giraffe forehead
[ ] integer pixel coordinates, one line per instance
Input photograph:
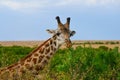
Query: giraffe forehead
(66, 33)
(66, 30)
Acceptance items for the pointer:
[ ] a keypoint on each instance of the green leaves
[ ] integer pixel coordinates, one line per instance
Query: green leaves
(9, 55)
(87, 63)
(82, 63)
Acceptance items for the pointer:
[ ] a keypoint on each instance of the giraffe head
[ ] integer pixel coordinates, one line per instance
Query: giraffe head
(63, 32)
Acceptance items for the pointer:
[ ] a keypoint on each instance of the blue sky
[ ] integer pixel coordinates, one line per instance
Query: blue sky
(29, 19)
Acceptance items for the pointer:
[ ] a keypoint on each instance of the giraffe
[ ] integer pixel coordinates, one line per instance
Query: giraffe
(39, 57)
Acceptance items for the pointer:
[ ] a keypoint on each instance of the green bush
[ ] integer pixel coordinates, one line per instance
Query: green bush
(86, 64)
(9, 55)
(103, 48)
(72, 64)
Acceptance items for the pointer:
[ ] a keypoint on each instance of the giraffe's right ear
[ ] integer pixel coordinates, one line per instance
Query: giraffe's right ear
(72, 33)
(50, 31)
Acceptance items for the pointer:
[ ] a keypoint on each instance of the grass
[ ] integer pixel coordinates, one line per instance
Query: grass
(72, 64)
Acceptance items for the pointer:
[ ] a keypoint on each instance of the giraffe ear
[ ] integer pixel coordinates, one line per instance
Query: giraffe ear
(50, 31)
(72, 33)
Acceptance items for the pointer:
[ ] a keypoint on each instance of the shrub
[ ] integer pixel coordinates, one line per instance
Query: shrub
(72, 64)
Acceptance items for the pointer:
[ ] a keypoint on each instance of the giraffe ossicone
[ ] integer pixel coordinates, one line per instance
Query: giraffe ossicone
(38, 58)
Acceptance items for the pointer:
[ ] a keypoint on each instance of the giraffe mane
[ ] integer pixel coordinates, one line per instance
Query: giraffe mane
(34, 50)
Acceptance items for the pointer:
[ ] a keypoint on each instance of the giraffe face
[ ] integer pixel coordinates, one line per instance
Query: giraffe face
(64, 36)
(63, 32)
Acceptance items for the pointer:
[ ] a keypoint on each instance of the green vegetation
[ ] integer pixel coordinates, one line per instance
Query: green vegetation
(9, 55)
(97, 42)
(72, 64)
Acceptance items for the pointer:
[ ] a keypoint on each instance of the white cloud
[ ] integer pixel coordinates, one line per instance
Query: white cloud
(88, 2)
(19, 5)
(22, 5)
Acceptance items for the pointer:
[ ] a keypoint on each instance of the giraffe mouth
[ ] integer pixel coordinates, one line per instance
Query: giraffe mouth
(68, 43)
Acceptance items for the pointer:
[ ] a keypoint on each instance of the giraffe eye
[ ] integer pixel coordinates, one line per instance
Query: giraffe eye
(57, 34)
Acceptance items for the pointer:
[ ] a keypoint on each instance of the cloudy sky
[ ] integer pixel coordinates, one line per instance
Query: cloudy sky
(29, 19)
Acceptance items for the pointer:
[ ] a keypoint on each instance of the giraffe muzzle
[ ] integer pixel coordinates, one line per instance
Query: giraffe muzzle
(68, 43)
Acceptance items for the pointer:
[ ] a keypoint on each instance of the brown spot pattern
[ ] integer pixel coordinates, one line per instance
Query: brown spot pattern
(27, 65)
(29, 59)
(51, 42)
(3, 69)
(11, 69)
(36, 54)
(22, 70)
(34, 60)
(51, 53)
(41, 50)
(48, 57)
(51, 47)
(18, 66)
(47, 50)
(38, 67)
(22, 63)
(40, 58)
(55, 49)
(45, 61)
(46, 45)
(54, 37)
(55, 43)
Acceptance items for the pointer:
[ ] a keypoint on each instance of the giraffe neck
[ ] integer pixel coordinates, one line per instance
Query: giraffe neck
(40, 56)
(37, 59)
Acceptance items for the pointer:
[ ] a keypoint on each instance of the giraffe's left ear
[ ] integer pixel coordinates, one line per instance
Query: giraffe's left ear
(50, 31)
(72, 33)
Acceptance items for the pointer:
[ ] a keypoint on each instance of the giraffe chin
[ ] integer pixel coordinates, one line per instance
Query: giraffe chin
(68, 44)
